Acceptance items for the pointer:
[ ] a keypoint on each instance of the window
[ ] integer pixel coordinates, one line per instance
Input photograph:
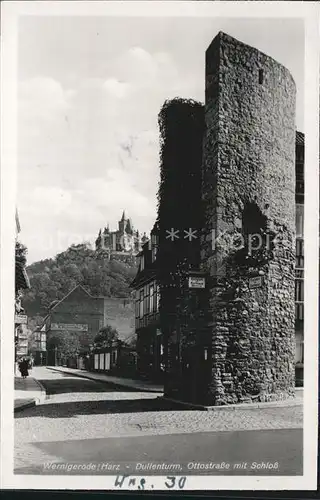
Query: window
(299, 254)
(299, 220)
(137, 301)
(158, 298)
(299, 290)
(299, 349)
(146, 300)
(153, 254)
(96, 361)
(299, 282)
(137, 307)
(299, 176)
(107, 361)
(141, 304)
(299, 311)
(142, 263)
(151, 306)
(260, 76)
(101, 362)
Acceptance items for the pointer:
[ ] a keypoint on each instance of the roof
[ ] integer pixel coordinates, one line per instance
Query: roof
(128, 299)
(143, 277)
(299, 138)
(71, 291)
(41, 327)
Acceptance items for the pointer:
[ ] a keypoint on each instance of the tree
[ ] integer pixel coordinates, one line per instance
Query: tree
(67, 343)
(181, 125)
(106, 336)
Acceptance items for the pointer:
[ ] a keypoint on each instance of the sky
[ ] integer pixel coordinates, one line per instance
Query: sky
(89, 93)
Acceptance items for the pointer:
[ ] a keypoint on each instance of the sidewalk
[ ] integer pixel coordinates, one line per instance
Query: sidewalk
(157, 388)
(119, 381)
(296, 401)
(28, 392)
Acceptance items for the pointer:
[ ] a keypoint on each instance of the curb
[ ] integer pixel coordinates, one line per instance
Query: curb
(240, 406)
(30, 403)
(24, 406)
(43, 393)
(116, 384)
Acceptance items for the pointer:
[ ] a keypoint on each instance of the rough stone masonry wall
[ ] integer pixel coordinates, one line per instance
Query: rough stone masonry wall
(248, 176)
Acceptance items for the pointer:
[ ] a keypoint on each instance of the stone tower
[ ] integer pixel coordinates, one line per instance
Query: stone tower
(247, 245)
(123, 222)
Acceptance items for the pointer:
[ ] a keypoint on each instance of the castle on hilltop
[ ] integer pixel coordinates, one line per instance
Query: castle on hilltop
(124, 243)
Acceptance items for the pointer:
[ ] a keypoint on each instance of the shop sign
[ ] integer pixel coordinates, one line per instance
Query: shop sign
(75, 327)
(197, 282)
(22, 350)
(21, 319)
(23, 343)
(255, 282)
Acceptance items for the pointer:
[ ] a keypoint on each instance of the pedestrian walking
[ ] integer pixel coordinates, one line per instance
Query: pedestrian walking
(23, 367)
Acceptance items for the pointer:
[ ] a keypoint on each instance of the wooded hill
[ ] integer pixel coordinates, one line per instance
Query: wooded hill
(52, 279)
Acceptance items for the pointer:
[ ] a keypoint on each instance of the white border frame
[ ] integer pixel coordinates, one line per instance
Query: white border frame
(10, 11)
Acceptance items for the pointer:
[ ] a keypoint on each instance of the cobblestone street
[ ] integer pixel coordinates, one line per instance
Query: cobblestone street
(82, 419)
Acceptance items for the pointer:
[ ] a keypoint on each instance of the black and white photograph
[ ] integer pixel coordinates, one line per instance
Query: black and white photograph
(159, 245)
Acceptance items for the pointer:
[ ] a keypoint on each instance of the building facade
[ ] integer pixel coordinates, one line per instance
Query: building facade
(299, 267)
(40, 353)
(21, 283)
(117, 359)
(123, 244)
(149, 337)
(78, 317)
